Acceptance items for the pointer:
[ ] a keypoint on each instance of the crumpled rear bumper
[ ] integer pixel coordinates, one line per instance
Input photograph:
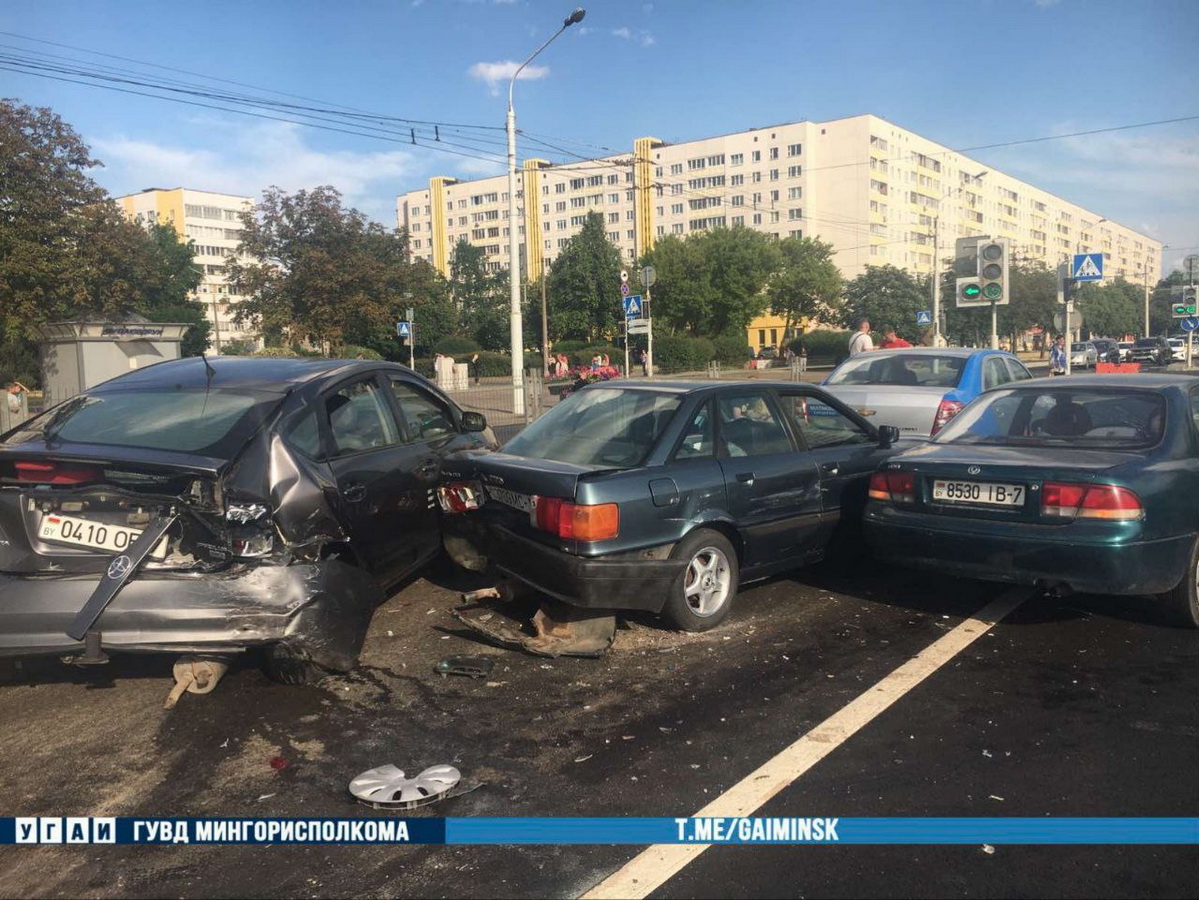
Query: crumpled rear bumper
(323, 608)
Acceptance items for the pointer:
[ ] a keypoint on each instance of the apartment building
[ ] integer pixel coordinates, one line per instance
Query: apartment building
(213, 222)
(880, 194)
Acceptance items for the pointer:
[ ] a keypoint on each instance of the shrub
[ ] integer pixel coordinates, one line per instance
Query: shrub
(678, 353)
(731, 349)
(238, 348)
(456, 346)
(825, 347)
(277, 353)
(351, 351)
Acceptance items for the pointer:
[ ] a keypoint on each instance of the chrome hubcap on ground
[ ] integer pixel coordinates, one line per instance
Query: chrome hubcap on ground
(707, 582)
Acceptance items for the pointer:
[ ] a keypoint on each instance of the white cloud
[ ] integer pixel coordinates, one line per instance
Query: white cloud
(644, 38)
(496, 73)
(252, 158)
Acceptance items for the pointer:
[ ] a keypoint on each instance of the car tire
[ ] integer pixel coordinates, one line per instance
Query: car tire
(702, 595)
(289, 665)
(1183, 599)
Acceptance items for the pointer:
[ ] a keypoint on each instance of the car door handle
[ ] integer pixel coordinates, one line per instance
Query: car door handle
(354, 491)
(747, 477)
(830, 468)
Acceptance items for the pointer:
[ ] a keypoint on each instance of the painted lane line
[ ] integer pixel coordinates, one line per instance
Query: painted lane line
(655, 865)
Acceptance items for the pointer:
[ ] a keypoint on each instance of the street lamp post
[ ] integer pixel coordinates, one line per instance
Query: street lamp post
(517, 324)
(938, 338)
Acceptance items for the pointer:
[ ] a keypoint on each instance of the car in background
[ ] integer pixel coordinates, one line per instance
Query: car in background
(919, 389)
(1178, 349)
(770, 352)
(1153, 350)
(1126, 350)
(217, 506)
(1085, 484)
(1083, 355)
(1106, 351)
(665, 496)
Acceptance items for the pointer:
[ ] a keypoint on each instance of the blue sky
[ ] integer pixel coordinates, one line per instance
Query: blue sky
(962, 72)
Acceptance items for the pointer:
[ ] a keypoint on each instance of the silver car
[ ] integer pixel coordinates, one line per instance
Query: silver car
(1083, 355)
(920, 389)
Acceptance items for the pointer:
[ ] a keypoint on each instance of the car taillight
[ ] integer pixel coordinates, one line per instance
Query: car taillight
(945, 411)
(55, 473)
(459, 497)
(897, 487)
(577, 521)
(1090, 501)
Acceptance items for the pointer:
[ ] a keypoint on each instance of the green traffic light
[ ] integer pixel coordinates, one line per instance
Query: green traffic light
(971, 292)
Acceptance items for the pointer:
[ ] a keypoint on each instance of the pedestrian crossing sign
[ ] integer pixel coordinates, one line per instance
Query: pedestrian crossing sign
(1088, 267)
(404, 329)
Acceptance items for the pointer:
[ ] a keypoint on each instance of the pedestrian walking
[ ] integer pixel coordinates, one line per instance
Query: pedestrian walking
(1057, 357)
(474, 367)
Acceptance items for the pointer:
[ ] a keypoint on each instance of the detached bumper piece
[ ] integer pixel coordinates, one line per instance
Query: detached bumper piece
(558, 629)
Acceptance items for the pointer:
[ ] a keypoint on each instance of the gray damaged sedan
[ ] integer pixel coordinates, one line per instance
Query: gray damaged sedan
(215, 506)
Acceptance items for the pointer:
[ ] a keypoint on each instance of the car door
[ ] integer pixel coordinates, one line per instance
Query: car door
(428, 429)
(379, 496)
(995, 373)
(772, 489)
(843, 449)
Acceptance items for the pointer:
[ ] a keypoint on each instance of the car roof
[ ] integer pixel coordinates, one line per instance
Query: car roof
(687, 387)
(268, 374)
(1151, 382)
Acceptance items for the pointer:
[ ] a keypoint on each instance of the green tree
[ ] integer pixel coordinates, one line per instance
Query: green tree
(481, 297)
(712, 282)
(1113, 309)
(1160, 319)
(312, 270)
(809, 284)
(583, 281)
(888, 297)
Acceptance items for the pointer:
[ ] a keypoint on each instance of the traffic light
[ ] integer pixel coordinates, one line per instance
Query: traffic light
(993, 271)
(970, 293)
(1183, 305)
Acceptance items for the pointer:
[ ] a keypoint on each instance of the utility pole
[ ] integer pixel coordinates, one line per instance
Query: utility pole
(545, 325)
(938, 340)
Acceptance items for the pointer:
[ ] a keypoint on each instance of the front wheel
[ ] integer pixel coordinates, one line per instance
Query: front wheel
(1183, 598)
(701, 597)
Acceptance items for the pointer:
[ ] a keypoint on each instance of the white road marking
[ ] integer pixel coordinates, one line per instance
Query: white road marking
(655, 865)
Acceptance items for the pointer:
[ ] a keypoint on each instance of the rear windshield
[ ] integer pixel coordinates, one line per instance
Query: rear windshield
(1080, 419)
(212, 423)
(1147, 342)
(923, 370)
(605, 427)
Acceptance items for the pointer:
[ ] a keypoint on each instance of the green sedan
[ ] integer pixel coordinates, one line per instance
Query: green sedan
(1088, 483)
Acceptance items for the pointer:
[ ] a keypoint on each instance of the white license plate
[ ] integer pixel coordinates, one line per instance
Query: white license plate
(984, 492)
(523, 502)
(97, 535)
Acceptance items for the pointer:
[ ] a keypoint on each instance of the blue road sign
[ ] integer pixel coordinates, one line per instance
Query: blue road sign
(1087, 267)
(632, 307)
(404, 329)
(1189, 324)
(924, 317)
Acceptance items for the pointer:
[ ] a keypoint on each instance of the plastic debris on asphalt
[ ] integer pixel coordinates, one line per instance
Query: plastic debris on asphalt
(387, 787)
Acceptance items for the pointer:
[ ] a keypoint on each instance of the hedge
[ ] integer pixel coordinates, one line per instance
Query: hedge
(825, 347)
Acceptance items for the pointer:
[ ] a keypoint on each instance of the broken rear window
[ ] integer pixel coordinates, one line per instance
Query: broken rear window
(212, 423)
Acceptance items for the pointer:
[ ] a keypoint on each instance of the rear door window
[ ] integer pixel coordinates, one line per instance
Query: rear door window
(822, 425)
(1016, 370)
(995, 373)
(699, 440)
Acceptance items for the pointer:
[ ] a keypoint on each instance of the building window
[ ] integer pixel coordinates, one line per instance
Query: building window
(793, 214)
(737, 159)
(756, 157)
(613, 217)
(794, 193)
(737, 180)
(794, 149)
(794, 171)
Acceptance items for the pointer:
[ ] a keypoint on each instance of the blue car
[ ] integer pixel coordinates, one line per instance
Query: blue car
(920, 389)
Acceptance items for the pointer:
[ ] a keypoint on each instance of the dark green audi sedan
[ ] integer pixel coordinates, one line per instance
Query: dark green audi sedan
(1089, 483)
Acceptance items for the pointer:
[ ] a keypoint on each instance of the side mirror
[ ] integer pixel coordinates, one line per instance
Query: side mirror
(887, 435)
(473, 421)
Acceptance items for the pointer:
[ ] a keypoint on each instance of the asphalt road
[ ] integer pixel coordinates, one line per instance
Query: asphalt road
(1082, 706)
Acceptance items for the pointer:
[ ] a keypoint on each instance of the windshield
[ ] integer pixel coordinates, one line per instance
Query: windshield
(921, 370)
(211, 423)
(1065, 417)
(1078, 348)
(1147, 342)
(607, 427)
